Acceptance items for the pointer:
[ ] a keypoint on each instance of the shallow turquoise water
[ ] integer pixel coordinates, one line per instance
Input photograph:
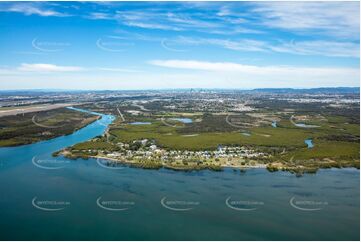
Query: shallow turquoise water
(246, 134)
(306, 125)
(271, 203)
(183, 120)
(274, 124)
(309, 143)
(86, 111)
(140, 123)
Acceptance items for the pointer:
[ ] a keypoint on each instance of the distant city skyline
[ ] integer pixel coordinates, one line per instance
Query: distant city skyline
(171, 45)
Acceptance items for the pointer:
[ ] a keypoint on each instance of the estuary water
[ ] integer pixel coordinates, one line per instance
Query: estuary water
(309, 143)
(183, 120)
(46, 198)
(274, 124)
(140, 123)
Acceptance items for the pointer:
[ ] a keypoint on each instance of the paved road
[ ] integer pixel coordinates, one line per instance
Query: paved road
(121, 115)
(34, 108)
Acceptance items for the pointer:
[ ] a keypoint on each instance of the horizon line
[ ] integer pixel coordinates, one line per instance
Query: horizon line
(186, 88)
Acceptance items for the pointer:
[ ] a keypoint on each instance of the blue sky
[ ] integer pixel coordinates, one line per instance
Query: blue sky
(156, 45)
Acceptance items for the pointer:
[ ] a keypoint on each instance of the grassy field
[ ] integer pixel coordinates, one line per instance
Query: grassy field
(33, 127)
(332, 150)
(169, 137)
(335, 138)
(286, 135)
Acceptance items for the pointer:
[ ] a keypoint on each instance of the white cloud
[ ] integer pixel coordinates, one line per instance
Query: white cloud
(150, 25)
(340, 19)
(180, 19)
(110, 69)
(202, 65)
(146, 20)
(224, 11)
(320, 47)
(48, 68)
(30, 9)
(316, 47)
(186, 20)
(25, 68)
(98, 15)
(174, 79)
(241, 45)
(266, 73)
(178, 74)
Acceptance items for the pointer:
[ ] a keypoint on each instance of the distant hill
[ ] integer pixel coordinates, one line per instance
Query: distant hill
(39, 92)
(344, 90)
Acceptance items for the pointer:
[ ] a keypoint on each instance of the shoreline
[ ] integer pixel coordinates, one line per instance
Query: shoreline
(298, 171)
(260, 166)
